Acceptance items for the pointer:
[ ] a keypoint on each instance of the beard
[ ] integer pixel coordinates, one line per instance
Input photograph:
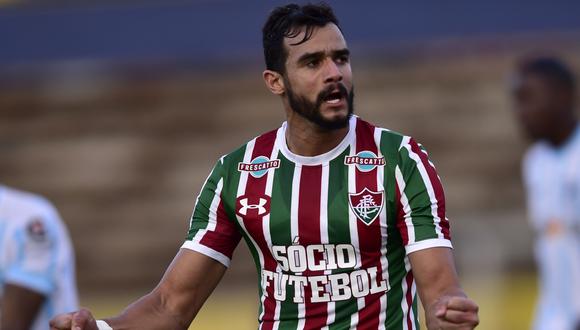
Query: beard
(311, 110)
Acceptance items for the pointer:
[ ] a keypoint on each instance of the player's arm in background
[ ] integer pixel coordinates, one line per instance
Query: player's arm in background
(28, 279)
(19, 306)
(191, 277)
(425, 231)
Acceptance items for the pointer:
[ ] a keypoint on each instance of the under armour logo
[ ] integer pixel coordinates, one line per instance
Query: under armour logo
(253, 206)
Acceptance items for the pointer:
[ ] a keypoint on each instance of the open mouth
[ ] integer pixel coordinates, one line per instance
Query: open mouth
(333, 98)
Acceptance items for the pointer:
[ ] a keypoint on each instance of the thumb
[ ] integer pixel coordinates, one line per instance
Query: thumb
(441, 306)
(81, 320)
(439, 311)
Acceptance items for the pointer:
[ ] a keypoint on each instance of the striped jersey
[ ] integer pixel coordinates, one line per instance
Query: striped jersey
(329, 234)
(36, 253)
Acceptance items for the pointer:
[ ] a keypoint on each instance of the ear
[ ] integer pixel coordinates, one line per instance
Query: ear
(274, 82)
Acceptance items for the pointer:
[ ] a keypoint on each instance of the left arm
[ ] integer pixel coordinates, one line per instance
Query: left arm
(446, 305)
(19, 307)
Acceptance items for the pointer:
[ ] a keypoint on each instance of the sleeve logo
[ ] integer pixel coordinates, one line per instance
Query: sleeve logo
(259, 166)
(366, 205)
(365, 161)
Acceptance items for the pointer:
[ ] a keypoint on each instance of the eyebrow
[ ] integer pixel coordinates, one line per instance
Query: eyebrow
(317, 55)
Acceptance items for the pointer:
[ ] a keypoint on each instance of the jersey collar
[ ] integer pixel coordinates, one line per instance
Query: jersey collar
(319, 159)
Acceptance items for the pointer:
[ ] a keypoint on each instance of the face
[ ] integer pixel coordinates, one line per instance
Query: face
(537, 105)
(318, 79)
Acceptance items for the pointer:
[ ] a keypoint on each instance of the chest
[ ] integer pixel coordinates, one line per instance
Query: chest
(319, 205)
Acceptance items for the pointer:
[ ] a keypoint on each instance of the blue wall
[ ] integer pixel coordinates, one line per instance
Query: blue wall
(204, 30)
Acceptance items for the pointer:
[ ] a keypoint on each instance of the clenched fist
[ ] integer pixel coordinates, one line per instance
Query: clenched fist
(79, 320)
(453, 313)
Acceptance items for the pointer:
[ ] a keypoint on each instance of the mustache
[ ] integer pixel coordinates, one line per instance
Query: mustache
(325, 93)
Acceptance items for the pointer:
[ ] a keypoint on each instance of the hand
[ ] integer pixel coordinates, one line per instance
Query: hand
(452, 312)
(79, 320)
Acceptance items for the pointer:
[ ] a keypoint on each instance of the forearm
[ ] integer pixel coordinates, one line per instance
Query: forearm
(441, 286)
(150, 312)
(173, 304)
(446, 304)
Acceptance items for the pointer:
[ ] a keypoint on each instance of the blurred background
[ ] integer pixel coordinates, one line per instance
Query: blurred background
(117, 110)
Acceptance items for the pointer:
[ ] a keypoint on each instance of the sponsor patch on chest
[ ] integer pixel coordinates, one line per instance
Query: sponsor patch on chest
(365, 161)
(366, 205)
(259, 166)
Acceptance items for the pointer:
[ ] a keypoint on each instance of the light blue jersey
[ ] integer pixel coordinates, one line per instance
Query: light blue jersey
(36, 253)
(552, 177)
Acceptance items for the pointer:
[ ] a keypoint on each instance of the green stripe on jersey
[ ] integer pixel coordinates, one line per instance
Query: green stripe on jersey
(199, 218)
(390, 142)
(281, 232)
(339, 230)
(419, 201)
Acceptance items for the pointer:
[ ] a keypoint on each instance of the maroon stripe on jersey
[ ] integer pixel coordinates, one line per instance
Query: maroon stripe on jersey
(437, 188)
(369, 235)
(409, 297)
(222, 242)
(257, 187)
(309, 233)
(403, 230)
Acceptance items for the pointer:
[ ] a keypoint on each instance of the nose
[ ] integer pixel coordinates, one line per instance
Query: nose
(332, 72)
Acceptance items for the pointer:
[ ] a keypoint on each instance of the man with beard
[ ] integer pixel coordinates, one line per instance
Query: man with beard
(544, 97)
(345, 220)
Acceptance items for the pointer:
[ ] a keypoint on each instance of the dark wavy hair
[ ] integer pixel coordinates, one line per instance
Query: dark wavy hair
(287, 22)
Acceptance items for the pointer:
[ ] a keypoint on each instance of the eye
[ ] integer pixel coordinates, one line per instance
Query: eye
(342, 59)
(313, 63)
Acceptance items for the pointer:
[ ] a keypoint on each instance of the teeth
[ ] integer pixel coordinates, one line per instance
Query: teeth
(333, 101)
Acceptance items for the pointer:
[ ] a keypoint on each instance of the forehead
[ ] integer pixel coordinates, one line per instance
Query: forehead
(323, 39)
(531, 80)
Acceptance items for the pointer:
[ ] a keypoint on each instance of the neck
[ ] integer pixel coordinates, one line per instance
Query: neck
(305, 138)
(564, 133)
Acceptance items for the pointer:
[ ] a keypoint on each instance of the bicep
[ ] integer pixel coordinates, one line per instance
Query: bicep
(421, 221)
(19, 307)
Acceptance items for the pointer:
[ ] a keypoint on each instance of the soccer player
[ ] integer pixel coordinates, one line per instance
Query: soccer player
(345, 221)
(544, 95)
(37, 272)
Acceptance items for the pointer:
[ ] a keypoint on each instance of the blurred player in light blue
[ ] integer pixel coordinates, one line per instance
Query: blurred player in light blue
(37, 272)
(545, 100)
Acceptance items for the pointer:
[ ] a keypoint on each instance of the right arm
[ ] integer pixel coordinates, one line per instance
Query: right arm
(173, 304)
(191, 277)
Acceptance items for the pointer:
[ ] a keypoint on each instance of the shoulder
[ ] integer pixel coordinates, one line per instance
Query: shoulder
(393, 143)
(27, 202)
(25, 209)
(246, 151)
(533, 158)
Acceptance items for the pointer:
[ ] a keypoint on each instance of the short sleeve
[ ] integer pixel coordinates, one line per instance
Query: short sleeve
(35, 255)
(421, 216)
(211, 231)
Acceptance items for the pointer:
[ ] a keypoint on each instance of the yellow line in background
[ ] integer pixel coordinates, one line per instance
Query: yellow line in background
(506, 302)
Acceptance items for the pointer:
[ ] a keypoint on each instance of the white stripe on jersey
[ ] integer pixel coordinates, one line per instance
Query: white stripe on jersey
(405, 203)
(266, 230)
(352, 221)
(383, 222)
(330, 316)
(429, 186)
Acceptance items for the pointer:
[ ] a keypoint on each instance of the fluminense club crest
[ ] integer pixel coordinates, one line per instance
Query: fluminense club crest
(367, 204)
